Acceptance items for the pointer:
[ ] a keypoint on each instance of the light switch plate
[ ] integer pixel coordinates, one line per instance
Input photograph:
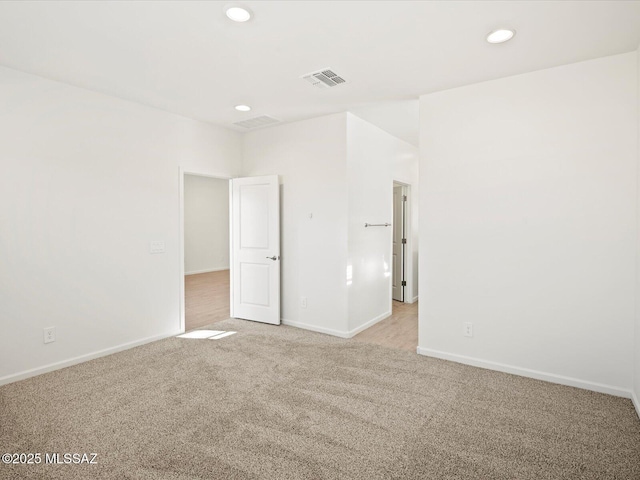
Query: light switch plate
(156, 247)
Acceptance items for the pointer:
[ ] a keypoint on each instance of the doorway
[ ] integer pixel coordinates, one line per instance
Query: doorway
(398, 277)
(400, 330)
(205, 250)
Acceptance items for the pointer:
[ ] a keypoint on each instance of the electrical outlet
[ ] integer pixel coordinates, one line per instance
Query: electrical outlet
(467, 329)
(49, 334)
(303, 302)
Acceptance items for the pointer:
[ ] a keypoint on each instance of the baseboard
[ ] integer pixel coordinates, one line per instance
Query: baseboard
(525, 372)
(413, 300)
(636, 403)
(336, 333)
(314, 328)
(364, 326)
(82, 358)
(196, 272)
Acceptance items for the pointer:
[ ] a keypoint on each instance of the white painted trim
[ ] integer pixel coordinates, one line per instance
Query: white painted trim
(314, 328)
(231, 257)
(636, 402)
(182, 172)
(407, 258)
(526, 372)
(414, 299)
(82, 358)
(336, 333)
(408, 231)
(181, 314)
(208, 270)
(364, 326)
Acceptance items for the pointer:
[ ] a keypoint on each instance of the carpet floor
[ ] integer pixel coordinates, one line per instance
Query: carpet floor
(283, 403)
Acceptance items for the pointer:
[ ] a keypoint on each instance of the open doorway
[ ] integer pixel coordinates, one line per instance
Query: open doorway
(205, 218)
(404, 281)
(398, 280)
(400, 330)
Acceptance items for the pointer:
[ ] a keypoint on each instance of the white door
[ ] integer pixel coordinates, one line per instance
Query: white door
(255, 248)
(399, 241)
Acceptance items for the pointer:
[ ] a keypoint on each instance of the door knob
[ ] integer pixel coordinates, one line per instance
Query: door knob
(274, 258)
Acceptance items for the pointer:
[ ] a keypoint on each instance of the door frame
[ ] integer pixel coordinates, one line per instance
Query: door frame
(182, 173)
(408, 250)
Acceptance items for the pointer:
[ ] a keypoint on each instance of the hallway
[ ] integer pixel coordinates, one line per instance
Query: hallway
(206, 298)
(400, 330)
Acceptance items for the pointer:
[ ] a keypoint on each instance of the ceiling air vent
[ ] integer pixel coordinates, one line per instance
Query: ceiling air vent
(324, 78)
(255, 122)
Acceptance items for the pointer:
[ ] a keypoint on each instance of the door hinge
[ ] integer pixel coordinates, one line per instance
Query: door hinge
(404, 240)
(404, 283)
(404, 198)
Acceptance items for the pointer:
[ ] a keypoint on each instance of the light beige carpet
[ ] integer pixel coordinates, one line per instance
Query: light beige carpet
(282, 403)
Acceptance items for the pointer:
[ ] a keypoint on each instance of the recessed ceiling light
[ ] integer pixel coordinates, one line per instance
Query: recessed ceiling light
(243, 108)
(501, 35)
(238, 14)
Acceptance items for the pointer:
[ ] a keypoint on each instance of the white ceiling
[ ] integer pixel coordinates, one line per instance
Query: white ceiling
(188, 58)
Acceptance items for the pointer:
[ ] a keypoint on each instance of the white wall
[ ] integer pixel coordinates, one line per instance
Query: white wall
(310, 157)
(370, 186)
(528, 223)
(373, 156)
(338, 169)
(87, 182)
(206, 224)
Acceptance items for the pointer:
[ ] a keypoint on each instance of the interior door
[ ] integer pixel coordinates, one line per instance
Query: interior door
(397, 280)
(255, 248)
